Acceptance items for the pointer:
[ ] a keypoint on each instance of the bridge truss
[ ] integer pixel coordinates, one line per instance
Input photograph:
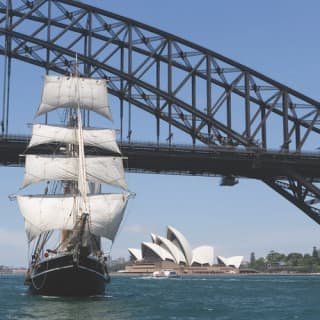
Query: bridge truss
(212, 100)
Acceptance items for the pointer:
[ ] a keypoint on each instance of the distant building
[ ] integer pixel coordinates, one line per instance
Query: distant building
(174, 252)
(174, 248)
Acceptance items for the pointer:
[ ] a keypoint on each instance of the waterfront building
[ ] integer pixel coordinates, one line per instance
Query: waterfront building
(175, 248)
(174, 252)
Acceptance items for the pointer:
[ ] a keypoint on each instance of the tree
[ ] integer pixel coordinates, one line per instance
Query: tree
(260, 264)
(274, 257)
(308, 262)
(295, 259)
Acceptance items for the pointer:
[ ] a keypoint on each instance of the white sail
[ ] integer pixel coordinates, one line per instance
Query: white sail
(98, 169)
(100, 138)
(62, 92)
(44, 213)
(106, 214)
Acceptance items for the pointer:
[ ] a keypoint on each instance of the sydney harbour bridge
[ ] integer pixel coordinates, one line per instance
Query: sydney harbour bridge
(235, 122)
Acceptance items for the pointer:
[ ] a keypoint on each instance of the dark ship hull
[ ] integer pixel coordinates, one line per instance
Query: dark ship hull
(61, 276)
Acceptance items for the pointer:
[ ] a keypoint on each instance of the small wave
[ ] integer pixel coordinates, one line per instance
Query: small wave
(23, 294)
(50, 297)
(233, 280)
(107, 296)
(194, 279)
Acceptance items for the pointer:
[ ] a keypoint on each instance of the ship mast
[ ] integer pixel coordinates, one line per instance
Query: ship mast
(82, 182)
(81, 190)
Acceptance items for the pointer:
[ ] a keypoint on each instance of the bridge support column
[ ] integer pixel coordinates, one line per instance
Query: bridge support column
(300, 191)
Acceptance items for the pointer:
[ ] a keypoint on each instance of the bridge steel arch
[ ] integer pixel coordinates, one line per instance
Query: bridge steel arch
(215, 101)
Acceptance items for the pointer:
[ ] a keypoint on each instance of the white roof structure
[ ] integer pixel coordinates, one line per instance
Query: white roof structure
(136, 254)
(153, 237)
(203, 255)
(234, 261)
(181, 242)
(178, 256)
(177, 249)
(156, 250)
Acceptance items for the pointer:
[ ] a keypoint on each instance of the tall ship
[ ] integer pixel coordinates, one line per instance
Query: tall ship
(65, 224)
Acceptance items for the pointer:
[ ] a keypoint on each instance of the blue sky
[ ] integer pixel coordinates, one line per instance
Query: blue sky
(277, 38)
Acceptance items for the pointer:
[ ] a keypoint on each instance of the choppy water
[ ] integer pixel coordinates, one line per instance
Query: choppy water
(206, 297)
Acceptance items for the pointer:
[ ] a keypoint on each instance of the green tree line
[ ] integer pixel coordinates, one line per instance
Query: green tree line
(292, 262)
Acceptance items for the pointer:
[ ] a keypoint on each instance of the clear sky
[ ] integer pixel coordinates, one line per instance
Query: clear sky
(277, 38)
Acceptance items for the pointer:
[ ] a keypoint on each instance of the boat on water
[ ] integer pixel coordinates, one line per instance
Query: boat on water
(65, 224)
(165, 273)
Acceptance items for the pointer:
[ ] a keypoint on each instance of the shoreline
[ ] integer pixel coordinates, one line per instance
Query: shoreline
(131, 274)
(138, 274)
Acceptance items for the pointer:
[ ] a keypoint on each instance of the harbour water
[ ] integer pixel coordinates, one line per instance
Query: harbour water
(203, 297)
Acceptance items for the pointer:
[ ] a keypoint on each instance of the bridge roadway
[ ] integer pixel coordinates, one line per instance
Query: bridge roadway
(188, 160)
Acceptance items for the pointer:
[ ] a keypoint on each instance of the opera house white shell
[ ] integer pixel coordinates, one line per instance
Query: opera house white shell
(231, 261)
(174, 248)
(179, 240)
(135, 254)
(176, 253)
(154, 252)
(202, 256)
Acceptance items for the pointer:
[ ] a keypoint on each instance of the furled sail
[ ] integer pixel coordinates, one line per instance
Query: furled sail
(69, 92)
(44, 213)
(98, 169)
(100, 138)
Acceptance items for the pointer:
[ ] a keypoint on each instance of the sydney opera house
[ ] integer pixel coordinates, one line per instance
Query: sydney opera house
(175, 252)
